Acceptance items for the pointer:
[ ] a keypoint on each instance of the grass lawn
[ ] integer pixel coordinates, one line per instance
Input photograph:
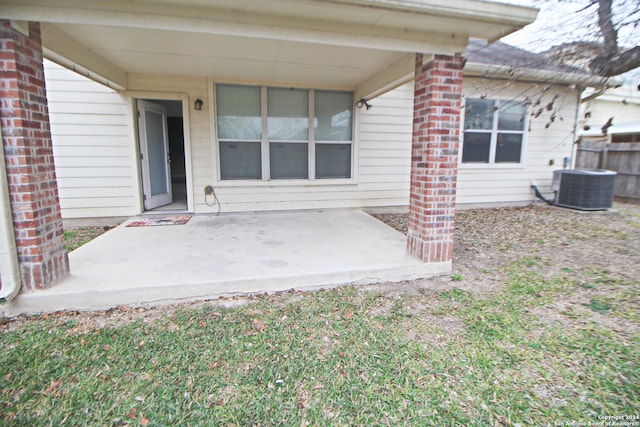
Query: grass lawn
(76, 237)
(547, 344)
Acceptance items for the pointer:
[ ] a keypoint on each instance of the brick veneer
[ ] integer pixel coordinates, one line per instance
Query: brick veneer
(26, 139)
(434, 157)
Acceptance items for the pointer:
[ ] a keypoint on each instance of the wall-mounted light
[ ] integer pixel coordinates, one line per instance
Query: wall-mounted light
(363, 103)
(198, 104)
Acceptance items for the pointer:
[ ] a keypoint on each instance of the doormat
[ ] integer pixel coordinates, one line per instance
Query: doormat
(161, 220)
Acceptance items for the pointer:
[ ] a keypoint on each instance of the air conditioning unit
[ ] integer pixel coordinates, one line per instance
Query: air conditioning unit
(585, 189)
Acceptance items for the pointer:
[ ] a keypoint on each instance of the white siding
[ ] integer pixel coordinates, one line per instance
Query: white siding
(93, 146)
(383, 157)
(622, 104)
(544, 152)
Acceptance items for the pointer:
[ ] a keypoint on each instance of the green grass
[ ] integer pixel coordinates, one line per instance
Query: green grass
(75, 238)
(341, 357)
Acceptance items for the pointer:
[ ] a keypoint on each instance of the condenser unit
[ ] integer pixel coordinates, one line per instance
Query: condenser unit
(585, 189)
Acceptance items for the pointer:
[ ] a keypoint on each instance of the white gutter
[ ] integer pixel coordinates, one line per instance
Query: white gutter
(489, 71)
(9, 267)
(574, 146)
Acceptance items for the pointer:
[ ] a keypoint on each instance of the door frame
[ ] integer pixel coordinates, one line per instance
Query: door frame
(152, 201)
(168, 96)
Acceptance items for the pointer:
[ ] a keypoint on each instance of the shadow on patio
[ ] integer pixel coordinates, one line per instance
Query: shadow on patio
(210, 256)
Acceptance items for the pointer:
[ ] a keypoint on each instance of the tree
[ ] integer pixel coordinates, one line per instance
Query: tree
(613, 60)
(602, 36)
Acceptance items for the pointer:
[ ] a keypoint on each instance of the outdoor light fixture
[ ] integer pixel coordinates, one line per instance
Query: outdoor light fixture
(363, 103)
(198, 104)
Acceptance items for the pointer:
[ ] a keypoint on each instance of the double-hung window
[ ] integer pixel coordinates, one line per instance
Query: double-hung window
(493, 131)
(271, 133)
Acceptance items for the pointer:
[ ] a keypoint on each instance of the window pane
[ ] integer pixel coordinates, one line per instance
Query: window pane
(240, 160)
(333, 161)
(156, 151)
(288, 111)
(478, 114)
(511, 116)
(333, 115)
(238, 109)
(509, 148)
(476, 147)
(289, 161)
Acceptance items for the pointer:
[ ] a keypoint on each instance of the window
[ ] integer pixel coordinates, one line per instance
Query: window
(270, 133)
(493, 131)
(239, 131)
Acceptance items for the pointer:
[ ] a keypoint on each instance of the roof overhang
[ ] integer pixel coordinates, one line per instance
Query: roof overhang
(341, 43)
(536, 76)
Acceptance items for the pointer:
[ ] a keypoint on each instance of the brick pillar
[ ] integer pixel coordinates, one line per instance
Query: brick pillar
(26, 139)
(434, 157)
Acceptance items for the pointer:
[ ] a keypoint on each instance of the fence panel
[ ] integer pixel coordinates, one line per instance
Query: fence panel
(624, 158)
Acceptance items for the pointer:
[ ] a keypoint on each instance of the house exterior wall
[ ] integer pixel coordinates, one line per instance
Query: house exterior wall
(93, 132)
(544, 147)
(93, 146)
(623, 104)
(381, 166)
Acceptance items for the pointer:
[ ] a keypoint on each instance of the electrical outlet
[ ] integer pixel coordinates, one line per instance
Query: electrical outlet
(208, 190)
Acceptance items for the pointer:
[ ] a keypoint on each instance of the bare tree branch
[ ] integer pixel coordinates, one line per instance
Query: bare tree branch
(616, 64)
(609, 32)
(610, 61)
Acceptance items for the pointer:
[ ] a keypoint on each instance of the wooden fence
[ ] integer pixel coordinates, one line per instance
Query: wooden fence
(622, 157)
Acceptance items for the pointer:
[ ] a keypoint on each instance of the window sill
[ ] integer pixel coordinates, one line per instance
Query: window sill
(286, 183)
(484, 166)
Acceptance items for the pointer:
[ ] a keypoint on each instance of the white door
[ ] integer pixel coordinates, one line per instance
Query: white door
(154, 154)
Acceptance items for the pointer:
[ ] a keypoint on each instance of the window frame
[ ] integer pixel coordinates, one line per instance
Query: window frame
(266, 179)
(494, 132)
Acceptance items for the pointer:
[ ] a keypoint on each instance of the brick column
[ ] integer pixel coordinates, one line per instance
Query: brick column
(434, 157)
(26, 139)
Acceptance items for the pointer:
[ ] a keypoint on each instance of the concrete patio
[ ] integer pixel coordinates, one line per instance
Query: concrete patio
(213, 256)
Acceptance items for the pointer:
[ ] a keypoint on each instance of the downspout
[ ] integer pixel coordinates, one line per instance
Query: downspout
(9, 268)
(574, 146)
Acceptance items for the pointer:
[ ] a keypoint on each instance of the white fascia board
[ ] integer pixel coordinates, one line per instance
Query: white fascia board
(66, 51)
(397, 74)
(502, 72)
(478, 10)
(209, 20)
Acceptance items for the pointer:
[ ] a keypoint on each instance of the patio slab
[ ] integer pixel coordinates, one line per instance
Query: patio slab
(213, 256)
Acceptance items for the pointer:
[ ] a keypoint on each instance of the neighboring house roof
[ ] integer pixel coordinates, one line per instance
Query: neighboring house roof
(498, 53)
(505, 61)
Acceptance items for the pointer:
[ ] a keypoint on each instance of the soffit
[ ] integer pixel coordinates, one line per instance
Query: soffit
(326, 42)
(142, 51)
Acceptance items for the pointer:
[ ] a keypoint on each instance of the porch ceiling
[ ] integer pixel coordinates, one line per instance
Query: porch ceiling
(363, 45)
(150, 51)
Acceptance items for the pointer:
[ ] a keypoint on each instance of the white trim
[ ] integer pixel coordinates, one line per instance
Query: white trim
(492, 166)
(311, 158)
(9, 265)
(213, 132)
(21, 27)
(398, 73)
(315, 23)
(68, 52)
(152, 201)
(186, 103)
(266, 180)
(494, 131)
(265, 149)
